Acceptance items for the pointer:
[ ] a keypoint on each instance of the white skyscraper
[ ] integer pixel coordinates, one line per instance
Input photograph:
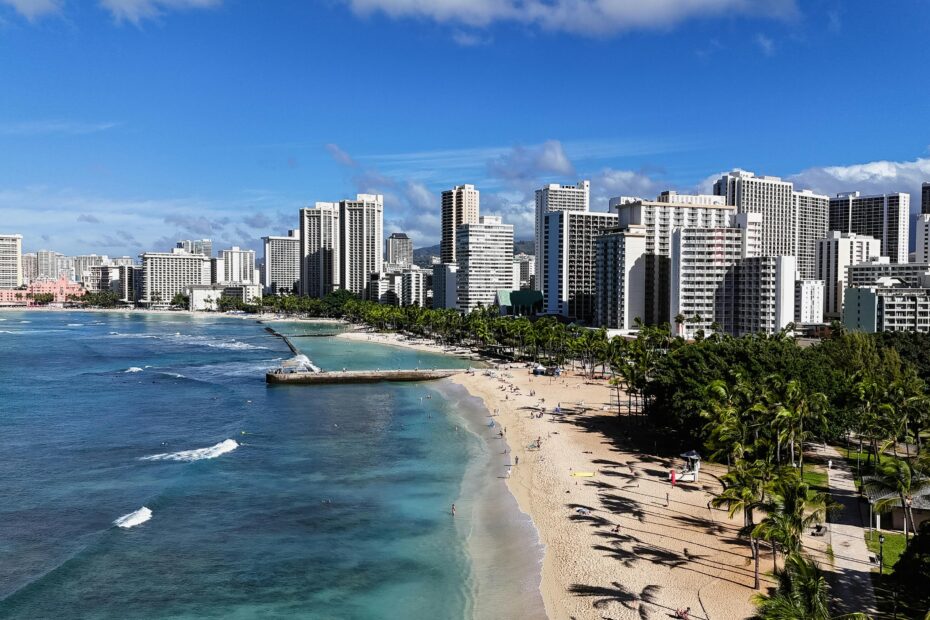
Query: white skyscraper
(235, 266)
(569, 257)
(460, 205)
(792, 221)
(196, 246)
(47, 264)
(834, 254)
(485, 259)
(701, 260)
(400, 249)
(11, 261)
(319, 255)
(281, 269)
(30, 267)
(524, 271)
(551, 198)
(82, 265)
(658, 219)
(445, 286)
(884, 216)
(361, 225)
(164, 275)
(620, 277)
(922, 253)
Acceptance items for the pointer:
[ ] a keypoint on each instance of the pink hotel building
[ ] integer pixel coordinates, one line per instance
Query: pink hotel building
(61, 289)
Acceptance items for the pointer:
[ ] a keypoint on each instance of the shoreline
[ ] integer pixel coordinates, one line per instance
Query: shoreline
(664, 556)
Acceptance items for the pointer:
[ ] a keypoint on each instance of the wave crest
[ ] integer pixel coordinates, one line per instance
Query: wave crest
(133, 369)
(134, 518)
(199, 454)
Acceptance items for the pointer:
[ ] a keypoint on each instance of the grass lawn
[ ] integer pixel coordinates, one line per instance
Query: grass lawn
(816, 477)
(894, 547)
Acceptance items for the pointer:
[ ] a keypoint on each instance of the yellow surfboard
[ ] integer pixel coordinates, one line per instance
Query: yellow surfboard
(583, 474)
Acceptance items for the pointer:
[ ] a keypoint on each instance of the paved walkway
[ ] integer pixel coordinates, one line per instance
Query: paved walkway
(852, 583)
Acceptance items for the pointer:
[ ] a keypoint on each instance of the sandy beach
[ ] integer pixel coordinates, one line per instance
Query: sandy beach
(663, 557)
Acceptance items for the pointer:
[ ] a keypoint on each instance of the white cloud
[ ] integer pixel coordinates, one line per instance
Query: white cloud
(136, 11)
(877, 177)
(582, 17)
(523, 163)
(33, 128)
(46, 218)
(34, 9)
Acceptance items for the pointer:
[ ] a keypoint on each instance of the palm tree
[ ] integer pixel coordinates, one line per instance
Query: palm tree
(802, 593)
(896, 483)
(742, 492)
(791, 509)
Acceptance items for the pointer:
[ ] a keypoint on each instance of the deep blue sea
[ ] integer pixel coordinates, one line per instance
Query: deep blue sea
(266, 501)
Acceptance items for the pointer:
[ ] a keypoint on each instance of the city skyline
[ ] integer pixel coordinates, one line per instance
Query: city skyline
(191, 152)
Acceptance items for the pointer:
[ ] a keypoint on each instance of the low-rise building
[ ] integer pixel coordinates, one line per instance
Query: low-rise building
(61, 290)
(888, 306)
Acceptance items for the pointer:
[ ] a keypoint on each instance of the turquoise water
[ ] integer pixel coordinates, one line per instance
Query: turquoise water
(332, 503)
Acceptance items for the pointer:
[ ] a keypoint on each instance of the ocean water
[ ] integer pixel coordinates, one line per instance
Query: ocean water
(147, 471)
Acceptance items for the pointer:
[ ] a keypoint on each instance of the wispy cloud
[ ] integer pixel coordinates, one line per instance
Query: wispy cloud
(136, 11)
(36, 128)
(580, 17)
(133, 11)
(766, 44)
(33, 9)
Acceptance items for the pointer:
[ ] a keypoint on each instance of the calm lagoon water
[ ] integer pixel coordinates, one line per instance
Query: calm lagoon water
(271, 502)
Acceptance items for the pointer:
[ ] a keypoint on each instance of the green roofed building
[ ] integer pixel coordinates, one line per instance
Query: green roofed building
(520, 303)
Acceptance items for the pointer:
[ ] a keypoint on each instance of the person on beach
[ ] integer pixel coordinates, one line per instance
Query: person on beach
(453, 510)
(684, 614)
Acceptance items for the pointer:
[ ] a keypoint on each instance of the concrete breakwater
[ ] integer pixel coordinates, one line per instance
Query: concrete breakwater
(358, 376)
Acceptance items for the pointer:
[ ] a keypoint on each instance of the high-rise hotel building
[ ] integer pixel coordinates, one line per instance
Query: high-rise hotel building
(659, 218)
(164, 275)
(884, 216)
(361, 226)
(485, 262)
(569, 261)
(11, 261)
(460, 205)
(281, 268)
(342, 244)
(319, 249)
(620, 270)
(553, 198)
(235, 266)
(835, 253)
(792, 221)
(400, 250)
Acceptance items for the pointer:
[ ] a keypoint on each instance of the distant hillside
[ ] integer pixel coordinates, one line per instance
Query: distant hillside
(423, 256)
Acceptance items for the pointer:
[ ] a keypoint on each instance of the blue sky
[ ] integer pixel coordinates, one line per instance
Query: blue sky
(127, 124)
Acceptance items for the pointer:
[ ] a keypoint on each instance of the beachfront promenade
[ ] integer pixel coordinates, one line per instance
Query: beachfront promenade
(852, 581)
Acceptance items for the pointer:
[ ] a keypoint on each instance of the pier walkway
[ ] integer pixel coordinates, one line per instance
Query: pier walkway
(358, 376)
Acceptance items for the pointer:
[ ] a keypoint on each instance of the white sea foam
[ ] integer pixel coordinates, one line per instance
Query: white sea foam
(137, 517)
(75, 325)
(133, 369)
(25, 321)
(196, 455)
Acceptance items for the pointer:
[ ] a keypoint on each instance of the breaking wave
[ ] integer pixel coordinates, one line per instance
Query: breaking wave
(133, 369)
(137, 517)
(197, 341)
(199, 454)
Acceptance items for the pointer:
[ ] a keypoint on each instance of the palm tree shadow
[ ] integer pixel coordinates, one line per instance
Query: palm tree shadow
(618, 594)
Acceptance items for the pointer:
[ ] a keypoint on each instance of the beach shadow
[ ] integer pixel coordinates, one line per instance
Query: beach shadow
(617, 593)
